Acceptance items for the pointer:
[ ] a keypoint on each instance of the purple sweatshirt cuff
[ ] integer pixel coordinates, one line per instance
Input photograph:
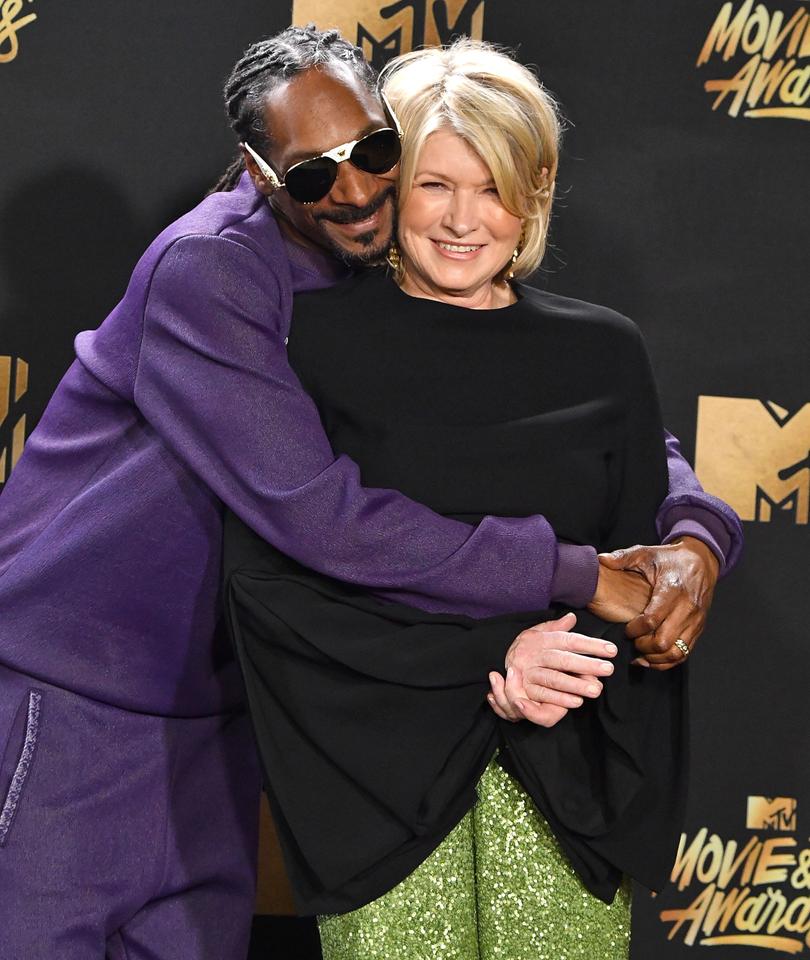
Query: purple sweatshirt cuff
(703, 525)
(574, 580)
(715, 518)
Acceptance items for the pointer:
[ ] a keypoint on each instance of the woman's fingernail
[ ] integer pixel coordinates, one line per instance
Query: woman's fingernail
(490, 698)
(519, 704)
(611, 648)
(509, 673)
(593, 690)
(640, 663)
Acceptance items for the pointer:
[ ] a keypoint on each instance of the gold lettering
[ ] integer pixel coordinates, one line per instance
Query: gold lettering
(780, 906)
(9, 27)
(730, 866)
(748, 917)
(776, 37)
(722, 909)
(800, 878)
(751, 862)
(766, 81)
(686, 860)
(761, 87)
(787, 113)
(783, 944)
(693, 915)
(771, 867)
(759, 21)
(737, 916)
(796, 87)
(797, 916)
(738, 85)
(724, 33)
(799, 31)
(710, 860)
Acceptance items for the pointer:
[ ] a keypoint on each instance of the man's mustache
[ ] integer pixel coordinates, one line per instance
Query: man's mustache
(355, 214)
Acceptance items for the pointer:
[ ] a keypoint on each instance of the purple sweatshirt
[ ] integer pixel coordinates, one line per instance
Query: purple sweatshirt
(182, 400)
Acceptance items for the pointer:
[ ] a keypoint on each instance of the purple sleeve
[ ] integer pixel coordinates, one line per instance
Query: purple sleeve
(689, 511)
(214, 382)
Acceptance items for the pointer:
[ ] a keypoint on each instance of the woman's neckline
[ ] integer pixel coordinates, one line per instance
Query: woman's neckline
(458, 308)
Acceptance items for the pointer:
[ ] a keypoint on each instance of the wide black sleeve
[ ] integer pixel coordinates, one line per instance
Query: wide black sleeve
(641, 465)
(611, 778)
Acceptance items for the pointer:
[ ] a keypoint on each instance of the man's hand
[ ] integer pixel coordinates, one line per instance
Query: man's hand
(549, 671)
(682, 576)
(621, 594)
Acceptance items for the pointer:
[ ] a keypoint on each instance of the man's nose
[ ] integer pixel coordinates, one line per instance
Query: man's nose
(353, 187)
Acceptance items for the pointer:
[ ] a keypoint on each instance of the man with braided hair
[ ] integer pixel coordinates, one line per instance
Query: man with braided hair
(128, 782)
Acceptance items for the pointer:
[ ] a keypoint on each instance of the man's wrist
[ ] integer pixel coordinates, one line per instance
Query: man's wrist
(575, 576)
(703, 550)
(703, 525)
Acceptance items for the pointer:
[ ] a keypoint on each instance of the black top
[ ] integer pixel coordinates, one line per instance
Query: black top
(371, 716)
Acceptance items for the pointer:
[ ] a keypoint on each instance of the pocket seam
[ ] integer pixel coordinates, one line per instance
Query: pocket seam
(23, 767)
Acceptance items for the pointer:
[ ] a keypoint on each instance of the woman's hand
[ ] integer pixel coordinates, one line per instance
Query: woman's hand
(682, 576)
(549, 671)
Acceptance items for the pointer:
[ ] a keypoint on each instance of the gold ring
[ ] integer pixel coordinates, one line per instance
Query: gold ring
(682, 646)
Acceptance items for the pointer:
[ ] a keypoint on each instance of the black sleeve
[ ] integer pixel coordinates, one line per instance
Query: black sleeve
(642, 464)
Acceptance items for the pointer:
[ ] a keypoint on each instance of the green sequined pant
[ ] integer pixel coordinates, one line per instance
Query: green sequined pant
(497, 888)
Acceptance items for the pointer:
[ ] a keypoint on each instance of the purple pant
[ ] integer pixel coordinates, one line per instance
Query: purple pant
(122, 835)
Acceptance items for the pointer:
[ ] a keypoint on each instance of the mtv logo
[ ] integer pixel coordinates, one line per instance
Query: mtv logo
(771, 813)
(12, 434)
(755, 455)
(384, 30)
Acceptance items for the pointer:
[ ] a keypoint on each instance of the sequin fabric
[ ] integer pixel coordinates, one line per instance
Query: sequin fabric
(531, 903)
(497, 887)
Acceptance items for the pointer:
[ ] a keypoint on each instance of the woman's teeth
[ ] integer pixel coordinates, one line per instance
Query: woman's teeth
(459, 248)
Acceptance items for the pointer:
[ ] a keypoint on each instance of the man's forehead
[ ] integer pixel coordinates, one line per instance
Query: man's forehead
(318, 109)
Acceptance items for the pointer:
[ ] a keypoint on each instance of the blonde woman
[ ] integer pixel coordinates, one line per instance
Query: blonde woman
(415, 819)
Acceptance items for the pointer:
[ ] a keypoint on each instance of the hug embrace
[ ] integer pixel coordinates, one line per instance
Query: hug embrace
(330, 415)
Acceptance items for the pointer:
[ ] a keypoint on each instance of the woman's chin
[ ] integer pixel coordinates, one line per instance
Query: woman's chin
(460, 277)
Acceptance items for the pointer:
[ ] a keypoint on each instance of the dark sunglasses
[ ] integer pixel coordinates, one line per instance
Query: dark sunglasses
(310, 180)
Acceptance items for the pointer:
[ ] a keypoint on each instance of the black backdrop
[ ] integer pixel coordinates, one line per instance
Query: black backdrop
(691, 220)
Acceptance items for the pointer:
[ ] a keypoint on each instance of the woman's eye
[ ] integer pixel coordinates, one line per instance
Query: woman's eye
(432, 185)
(493, 192)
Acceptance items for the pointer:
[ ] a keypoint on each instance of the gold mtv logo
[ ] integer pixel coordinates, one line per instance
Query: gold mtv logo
(755, 455)
(12, 438)
(771, 813)
(385, 30)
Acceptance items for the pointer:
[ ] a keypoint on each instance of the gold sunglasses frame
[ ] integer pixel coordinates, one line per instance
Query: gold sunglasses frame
(339, 153)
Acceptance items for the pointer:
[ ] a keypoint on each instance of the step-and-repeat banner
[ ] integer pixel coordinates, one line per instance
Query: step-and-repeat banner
(683, 201)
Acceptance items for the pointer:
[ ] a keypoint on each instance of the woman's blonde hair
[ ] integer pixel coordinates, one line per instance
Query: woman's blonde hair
(500, 109)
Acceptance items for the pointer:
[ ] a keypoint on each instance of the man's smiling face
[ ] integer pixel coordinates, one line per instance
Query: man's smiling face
(307, 115)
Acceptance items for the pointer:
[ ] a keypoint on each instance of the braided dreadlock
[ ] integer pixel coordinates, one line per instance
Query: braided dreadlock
(266, 64)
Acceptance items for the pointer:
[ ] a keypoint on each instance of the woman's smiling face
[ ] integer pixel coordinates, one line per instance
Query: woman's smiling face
(455, 235)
